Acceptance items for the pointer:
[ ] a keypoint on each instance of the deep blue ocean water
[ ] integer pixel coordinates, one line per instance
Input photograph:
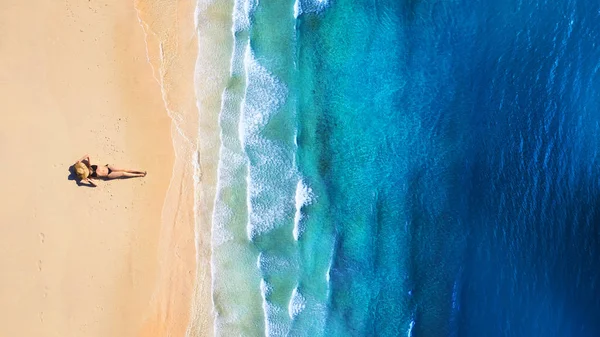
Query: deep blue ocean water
(445, 154)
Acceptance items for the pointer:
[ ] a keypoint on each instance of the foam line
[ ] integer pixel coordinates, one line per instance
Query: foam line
(297, 303)
(309, 6)
(303, 197)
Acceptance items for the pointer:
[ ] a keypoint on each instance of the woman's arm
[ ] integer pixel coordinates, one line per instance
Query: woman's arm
(87, 156)
(91, 182)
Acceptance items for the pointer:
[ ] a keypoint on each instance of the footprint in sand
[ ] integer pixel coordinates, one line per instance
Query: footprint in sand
(39, 264)
(42, 237)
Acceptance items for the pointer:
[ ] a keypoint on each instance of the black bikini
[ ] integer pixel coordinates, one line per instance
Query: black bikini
(95, 167)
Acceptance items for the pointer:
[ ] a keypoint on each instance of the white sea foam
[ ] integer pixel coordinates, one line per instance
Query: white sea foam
(265, 291)
(303, 197)
(309, 6)
(228, 119)
(331, 257)
(231, 162)
(240, 15)
(249, 232)
(296, 139)
(222, 215)
(297, 303)
(267, 198)
(266, 262)
(227, 220)
(267, 164)
(455, 303)
(241, 126)
(242, 12)
(410, 328)
(269, 202)
(237, 59)
(296, 9)
(272, 327)
(265, 94)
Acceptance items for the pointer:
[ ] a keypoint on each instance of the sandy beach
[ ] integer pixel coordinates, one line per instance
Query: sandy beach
(115, 260)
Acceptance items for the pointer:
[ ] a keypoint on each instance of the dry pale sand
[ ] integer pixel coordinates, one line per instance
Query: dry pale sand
(79, 261)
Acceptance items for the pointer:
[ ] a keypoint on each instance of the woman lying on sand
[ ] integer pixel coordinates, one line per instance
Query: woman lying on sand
(86, 171)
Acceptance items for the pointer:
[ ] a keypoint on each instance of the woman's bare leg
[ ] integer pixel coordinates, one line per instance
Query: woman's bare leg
(122, 174)
(116, 169)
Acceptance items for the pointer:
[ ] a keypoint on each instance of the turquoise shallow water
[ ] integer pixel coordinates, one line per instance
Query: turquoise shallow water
(415, 168)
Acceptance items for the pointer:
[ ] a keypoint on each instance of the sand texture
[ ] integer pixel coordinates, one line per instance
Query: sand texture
(115, 260)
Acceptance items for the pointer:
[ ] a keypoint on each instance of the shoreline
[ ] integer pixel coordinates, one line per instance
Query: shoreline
(189, 46)
(172, 48)
(211, 76)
